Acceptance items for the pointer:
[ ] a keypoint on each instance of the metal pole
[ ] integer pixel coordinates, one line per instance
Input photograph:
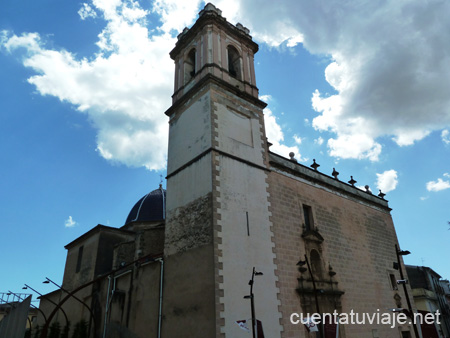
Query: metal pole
(95, 280)
(161, 280)
(397, 251)
(106, 307)
(42, 296)
(91, 319)
(315, 295)
(252, 304)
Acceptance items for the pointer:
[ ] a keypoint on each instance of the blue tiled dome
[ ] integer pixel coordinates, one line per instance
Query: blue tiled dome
(150, 208)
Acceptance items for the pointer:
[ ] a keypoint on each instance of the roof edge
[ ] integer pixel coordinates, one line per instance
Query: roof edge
(94, 230)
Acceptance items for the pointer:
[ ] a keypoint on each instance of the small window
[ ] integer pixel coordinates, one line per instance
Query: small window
(393, 281)
(234, 62)
(80, 258)
(307, 214)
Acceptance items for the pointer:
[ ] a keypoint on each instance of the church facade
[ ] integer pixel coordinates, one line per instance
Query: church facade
(233, 212)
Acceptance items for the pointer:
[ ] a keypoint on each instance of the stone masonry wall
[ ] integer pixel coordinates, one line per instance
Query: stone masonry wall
(358, 243)
(190, 226)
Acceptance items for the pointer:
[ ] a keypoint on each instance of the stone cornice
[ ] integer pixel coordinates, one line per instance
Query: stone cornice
(211, 79)
(313, 177)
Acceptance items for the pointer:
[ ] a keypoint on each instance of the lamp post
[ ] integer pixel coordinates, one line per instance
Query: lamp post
(93, 281)
(301, 263)
(42, 296)
(403, 282)
(252, 301)
(48, 280)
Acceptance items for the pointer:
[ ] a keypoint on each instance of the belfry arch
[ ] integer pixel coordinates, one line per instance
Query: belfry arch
(190, 65)
(234, 62)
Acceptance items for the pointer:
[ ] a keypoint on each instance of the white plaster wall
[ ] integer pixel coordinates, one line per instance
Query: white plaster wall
(239, 133)
(190, 133)
(243, 189)
(189, 184)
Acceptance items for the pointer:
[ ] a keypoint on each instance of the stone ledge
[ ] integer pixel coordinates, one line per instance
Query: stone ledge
(307, 175)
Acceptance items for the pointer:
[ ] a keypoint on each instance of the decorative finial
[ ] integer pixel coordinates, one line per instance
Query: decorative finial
(367, 189)
(315, 165)
(330, 271)
(185, 30)
(292, 158)
(302, 269)
(352, 181)
(381, 194)
(210, 8)
(335, 174)
(242, 28)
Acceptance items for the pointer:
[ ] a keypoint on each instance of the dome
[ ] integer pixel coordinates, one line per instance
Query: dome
(150, 208)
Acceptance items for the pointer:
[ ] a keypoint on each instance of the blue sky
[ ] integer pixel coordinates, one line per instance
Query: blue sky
(84, 87)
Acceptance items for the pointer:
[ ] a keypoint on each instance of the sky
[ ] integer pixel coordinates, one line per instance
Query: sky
(360, 86)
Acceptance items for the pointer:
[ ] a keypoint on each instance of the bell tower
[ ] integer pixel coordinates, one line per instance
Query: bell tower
(217, 213)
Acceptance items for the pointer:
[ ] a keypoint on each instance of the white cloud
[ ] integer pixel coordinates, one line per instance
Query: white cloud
(356, 146)
(278, 31)
(389, 70)
(70, 223)
(265, 98)
(445, 135)
(387, 181)
(86, 11)
(124, 89)
(176, 14)
(407, 138)
(297, 139)
(319, 141)
(439, 185)
(30, 42)
(276, 136)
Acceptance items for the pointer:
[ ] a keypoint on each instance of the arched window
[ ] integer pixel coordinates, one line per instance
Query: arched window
(190, 65)
(234, 62)
(316, 264)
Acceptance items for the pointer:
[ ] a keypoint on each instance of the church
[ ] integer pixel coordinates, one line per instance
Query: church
(240, 233)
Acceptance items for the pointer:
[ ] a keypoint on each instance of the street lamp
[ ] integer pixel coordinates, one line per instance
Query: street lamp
(404, 281)
(48, 280)
(301, 267)
(44, 297)
(252, 300)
